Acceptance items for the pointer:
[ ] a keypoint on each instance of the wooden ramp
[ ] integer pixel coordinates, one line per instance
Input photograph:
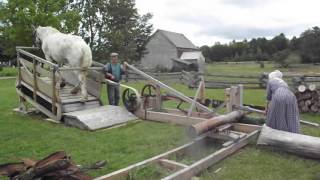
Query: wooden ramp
(38, 84)
(98, 118)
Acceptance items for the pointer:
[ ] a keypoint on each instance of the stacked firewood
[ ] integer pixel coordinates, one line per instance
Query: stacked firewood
(308, 98)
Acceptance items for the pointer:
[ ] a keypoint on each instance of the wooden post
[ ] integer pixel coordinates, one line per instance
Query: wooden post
(227, 100)
(233, 97)
(195, 98)
(19, 70)
(54, 94)
(240, 92)
(158, 105)
(35, 85)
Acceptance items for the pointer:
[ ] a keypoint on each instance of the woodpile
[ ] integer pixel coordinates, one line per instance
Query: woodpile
(308, 98)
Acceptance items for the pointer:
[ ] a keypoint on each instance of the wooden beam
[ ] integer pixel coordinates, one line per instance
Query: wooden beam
(208, 161)
(125, 171)
(246, 128)
(183, 113)
(35, 84)
(37, 58)
(167, 117)
(172, 164)
(195, 97)
(54, 94)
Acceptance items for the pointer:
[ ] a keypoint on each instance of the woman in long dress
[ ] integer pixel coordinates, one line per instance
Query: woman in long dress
(282, 108)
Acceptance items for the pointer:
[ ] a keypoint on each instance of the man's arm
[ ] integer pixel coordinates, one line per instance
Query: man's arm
(123, 68)
(108, 75)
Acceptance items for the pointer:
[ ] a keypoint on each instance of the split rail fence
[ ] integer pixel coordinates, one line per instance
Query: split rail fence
(215, 80)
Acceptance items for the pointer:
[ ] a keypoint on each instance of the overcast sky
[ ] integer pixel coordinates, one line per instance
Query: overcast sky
(209, 21)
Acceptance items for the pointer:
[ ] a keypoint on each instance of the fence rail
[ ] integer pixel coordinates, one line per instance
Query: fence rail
(214, 80)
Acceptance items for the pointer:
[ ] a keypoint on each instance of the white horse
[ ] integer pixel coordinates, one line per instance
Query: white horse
(66, 48)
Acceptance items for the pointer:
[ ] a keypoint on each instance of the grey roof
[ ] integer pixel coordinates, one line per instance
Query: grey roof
(182, 61)
(178, 39)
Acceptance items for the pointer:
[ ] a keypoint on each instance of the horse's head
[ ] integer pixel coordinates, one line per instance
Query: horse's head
(40, 33)
(35, 36)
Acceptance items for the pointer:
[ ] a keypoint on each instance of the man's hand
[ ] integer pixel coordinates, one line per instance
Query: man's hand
(110, 76)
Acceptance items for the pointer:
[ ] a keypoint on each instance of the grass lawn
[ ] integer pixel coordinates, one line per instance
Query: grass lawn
(8, 71)
(30, 136)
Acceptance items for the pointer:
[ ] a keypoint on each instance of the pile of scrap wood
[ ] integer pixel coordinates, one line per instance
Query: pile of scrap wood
(308, 98)
(57, 166)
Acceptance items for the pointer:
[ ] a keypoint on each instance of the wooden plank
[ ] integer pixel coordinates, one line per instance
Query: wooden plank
(43, 86)
(125, 171)
(36, 57)
(38, 106)
(65, 95)
(80, 106)
(35, 84)
(208, 161)
(39, 69)
(71, 99)
(246, 128)
(54, 91)
(194, 114)
(171, 164)
(168, 118)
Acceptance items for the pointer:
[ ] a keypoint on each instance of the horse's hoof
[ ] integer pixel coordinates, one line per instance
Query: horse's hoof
(83, 100)
(74, 91)
(62, 84)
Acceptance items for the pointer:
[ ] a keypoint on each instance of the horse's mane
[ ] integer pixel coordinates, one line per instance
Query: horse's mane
(43, 31)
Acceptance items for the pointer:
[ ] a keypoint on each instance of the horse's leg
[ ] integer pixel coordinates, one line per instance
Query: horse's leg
(61, 80)
(76, 89)
(83, 85)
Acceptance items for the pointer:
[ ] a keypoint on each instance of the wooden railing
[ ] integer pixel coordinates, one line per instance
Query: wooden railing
(31, 67)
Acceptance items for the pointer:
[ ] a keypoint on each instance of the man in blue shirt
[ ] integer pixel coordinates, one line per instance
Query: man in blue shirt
(113, 72)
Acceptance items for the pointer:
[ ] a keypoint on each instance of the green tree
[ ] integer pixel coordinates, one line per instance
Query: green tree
(279, 43)
(310, 45)
(91, 23)
(206, 52)
(17, 17)
(126, 31)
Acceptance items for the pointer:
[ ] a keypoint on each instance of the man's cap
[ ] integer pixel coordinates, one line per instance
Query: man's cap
(114, 54)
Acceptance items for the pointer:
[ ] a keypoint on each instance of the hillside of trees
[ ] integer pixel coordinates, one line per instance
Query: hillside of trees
(107, 26)
(305, 49)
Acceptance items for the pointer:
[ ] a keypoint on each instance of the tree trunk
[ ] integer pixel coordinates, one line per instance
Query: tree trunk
(303, 145)
(210, 124)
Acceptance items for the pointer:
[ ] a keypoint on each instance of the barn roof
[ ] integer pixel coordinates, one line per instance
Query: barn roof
(177, 39)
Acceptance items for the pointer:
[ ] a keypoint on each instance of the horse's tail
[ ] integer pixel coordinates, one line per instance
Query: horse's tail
(86, 57)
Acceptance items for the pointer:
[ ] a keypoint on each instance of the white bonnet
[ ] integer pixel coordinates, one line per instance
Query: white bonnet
(275, 74)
